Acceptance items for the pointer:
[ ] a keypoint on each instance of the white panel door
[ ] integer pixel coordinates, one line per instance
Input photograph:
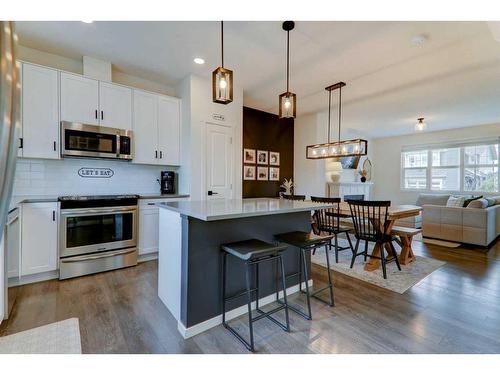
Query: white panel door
(148, 230)
(79, 99)
(169, 130)
(12, 243)
(38, 238)
(145, 126)
(115, 106)
(219, 155)
(40, 112)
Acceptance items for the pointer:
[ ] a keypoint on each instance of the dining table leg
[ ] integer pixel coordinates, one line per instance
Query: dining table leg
(373, 263)
(406, 255)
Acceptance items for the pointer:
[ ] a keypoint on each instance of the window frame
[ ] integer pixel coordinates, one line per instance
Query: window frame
(461, 167)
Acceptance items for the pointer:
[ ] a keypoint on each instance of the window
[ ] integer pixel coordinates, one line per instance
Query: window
(456, 168)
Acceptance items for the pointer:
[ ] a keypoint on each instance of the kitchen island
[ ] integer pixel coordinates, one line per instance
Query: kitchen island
(190, 267)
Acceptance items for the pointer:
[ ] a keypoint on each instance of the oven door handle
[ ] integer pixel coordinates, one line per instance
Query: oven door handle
(105, 210)
(100, 256)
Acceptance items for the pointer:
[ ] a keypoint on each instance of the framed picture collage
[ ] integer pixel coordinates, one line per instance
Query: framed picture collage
(261, 165)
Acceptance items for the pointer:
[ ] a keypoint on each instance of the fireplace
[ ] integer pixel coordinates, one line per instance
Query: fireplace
(349, 190)
(354, 197)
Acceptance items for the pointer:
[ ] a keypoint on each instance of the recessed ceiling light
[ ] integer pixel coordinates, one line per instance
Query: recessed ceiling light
(199, 60)
(87, 21)
(419, 40)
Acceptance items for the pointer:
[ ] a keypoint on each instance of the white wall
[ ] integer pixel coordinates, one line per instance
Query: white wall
(198, 109)
(309, 175)
(387, 157)
(76, 66)
(60, 177)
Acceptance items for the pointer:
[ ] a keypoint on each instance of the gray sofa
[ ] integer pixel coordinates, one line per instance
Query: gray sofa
(416, 221)
(476, 226)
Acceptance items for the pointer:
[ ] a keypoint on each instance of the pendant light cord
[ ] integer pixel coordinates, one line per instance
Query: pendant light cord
(222, 40)
(329, 112)
(287, 59)
(340, 108)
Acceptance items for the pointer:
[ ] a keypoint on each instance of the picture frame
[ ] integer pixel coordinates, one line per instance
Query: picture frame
(262, 157)
(249, 172)
(262, 173)
(274, 158)
(274, 174)
(249, 156)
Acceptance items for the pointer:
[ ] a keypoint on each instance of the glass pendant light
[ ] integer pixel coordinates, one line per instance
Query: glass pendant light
(288, 100)
(222, 78)
(353, 147)
(420, 126)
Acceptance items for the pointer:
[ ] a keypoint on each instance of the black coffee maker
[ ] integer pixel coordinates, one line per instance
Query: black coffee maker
(167, 182)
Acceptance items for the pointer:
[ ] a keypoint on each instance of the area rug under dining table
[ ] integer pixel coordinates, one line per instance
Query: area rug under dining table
(397, 281)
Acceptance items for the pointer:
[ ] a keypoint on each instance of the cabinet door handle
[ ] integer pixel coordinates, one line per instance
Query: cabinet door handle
(96, 117)
(156, 154)
(161, 154)
(21, 142)
(102, 115)
(53, 216)
(55, 145)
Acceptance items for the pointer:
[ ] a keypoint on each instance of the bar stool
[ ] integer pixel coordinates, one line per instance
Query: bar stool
(307, 242)
(252, 253)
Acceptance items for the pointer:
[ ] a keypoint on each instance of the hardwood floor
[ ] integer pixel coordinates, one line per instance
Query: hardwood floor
(454, 310)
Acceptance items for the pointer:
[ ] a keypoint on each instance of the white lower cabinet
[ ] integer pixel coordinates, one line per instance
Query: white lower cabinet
(38, 237)
(12, 244)
(149, 224)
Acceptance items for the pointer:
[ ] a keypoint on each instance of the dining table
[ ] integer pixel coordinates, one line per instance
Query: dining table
(395, 212)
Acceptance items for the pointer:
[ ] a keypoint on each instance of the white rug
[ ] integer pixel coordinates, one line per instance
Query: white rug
(57, 338)
(397, 281)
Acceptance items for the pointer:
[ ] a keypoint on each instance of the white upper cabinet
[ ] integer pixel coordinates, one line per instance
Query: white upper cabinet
(40, 112)
(145, 126)
(156, 128)
(79, 99)
(169, 130)
(115, 106)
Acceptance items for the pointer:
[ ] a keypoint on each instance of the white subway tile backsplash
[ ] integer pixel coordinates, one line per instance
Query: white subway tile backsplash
(60, 177)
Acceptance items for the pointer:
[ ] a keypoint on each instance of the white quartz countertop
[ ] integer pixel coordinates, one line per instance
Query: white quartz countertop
(222, 209)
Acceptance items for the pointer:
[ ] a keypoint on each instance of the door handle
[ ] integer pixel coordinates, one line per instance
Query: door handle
(96, 117)
(102, 115)
(210, 192)
(21, 143)
(156, 154)
(55, 145)
(161, 154)
(53, 216)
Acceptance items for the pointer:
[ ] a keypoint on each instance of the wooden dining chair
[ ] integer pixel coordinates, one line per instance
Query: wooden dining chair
(328, 220)
(294, 197)
(371, 225)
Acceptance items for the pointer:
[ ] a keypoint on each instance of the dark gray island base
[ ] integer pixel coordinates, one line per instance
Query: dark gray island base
(190, 267)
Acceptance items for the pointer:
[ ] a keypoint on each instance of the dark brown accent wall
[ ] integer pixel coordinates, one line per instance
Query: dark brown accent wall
(266, 131)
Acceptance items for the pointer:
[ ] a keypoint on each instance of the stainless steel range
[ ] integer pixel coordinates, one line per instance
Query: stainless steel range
(97, 233)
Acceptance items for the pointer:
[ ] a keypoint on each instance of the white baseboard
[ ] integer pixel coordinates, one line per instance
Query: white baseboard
(216, 320)
(147, 257)
(36, 278)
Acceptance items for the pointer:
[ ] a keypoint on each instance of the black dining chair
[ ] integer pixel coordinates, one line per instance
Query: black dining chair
(371, 225)
(328, 220)
(294, 197)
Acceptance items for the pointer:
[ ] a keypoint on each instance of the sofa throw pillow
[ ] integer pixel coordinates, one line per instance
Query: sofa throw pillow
(468, 200)
(455, 202)
(478, 203)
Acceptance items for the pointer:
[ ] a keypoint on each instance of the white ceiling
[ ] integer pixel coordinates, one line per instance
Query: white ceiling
(453, 80)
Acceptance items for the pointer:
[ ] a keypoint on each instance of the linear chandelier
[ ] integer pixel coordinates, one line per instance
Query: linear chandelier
(352, 147)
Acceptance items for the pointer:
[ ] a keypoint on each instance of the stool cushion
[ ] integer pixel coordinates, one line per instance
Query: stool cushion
(302, 239)
(251, 249)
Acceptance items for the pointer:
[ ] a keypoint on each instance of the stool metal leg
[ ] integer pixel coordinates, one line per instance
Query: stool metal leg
(257, 286)
(224, 260)
(330, 284)
(283, 282)
(306, 277)
(336, 248)
(249, 297)
(300, 270)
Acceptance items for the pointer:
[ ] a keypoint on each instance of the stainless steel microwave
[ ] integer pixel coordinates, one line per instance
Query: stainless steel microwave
(83, 140)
